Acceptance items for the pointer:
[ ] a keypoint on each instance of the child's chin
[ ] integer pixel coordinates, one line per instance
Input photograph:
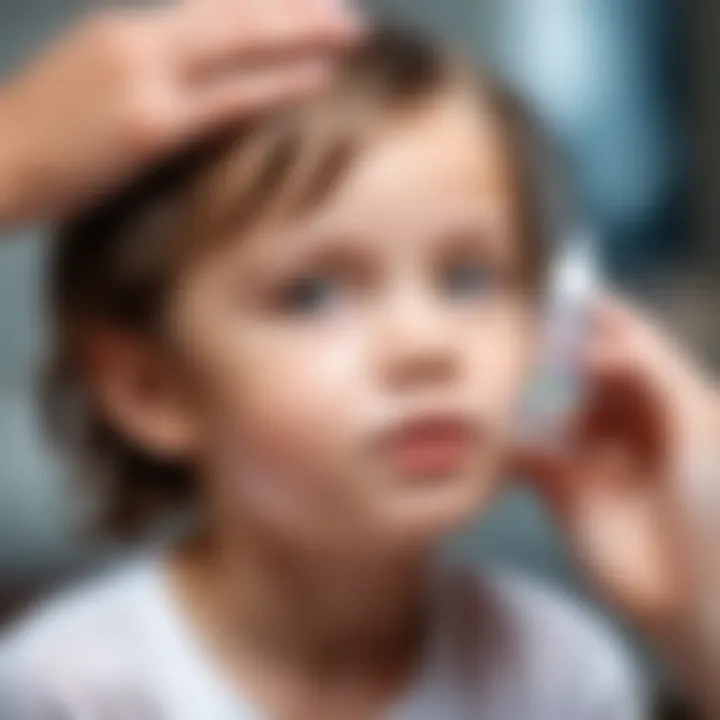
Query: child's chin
(430, 513)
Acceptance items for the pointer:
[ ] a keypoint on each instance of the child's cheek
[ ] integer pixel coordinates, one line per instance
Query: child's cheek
(316, 388)
(498, 364)
(297, 413)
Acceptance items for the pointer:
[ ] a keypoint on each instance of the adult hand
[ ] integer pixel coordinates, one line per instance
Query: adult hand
(125, 87)
(637, 486)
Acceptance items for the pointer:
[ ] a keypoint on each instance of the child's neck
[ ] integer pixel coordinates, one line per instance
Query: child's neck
(347, 620)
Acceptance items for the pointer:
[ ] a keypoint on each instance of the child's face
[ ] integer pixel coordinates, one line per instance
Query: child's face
(355, 372)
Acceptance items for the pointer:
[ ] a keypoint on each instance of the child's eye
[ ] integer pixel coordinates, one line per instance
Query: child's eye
(467, 279)
(310, 295)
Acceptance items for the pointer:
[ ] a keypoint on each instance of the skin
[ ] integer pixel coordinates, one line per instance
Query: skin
(318, 543)
(635, 490)
(303, 346)
(124, 87)
(669, 523)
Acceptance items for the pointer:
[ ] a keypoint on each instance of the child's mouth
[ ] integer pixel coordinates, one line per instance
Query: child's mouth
(432, 444)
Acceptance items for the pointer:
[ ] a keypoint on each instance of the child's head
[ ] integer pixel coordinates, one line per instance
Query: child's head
(317, 324)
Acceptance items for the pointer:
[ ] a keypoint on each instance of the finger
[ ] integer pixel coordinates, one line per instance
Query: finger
(630, 330)
(616, 313)
(627, 341)
(620, 329)
(609, 367)
(617, 347)
(631, 345)
(632, 327)
(239, 33)
(624, 410)
(234, 97)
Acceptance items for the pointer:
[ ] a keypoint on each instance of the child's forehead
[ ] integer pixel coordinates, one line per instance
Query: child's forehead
(449, 145)
(438, 167)
(438, 154)
(385, 219)
(324, 170)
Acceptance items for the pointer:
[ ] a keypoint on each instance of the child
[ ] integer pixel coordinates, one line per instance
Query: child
(305, 340)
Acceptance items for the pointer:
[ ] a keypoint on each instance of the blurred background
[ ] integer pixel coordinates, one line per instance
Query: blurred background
(630, 88)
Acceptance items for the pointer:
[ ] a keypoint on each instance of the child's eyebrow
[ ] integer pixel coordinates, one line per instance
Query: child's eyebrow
(339, 247)
(480, 227)
(494, 226)
(284, 250)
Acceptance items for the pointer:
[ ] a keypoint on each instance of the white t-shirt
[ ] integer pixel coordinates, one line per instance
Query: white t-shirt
(502, 648)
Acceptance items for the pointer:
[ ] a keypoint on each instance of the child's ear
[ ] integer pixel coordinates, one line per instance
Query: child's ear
(140, 394)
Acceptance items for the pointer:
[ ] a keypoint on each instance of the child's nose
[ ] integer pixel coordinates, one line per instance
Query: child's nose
(416, 345)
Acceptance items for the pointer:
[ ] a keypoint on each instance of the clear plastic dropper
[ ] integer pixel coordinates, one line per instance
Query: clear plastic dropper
(557, 384)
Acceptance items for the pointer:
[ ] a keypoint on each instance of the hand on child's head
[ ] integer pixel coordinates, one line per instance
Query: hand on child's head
(128, 86)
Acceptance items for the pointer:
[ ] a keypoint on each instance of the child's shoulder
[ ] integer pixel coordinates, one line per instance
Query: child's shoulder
(93, 631)
(536, 644)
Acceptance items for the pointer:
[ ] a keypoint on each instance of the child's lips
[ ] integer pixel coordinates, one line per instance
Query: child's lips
(428, 445)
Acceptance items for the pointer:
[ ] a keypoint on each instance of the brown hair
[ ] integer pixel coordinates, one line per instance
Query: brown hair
(116, 262)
